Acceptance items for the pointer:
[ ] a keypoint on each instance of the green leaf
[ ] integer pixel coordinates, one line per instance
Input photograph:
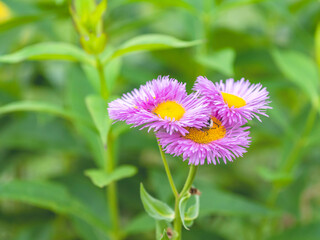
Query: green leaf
(48, 51)
(149, 42)
(277, 178)
(50, 196)
(98, 111)
(192, 213)
(154, 207)
(18, 21)
(101, 179)
(41, 107)
(301, 70)
(221, 61)
(214, 201)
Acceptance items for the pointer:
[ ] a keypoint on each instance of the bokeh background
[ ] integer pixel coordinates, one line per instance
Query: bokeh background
(273, 192)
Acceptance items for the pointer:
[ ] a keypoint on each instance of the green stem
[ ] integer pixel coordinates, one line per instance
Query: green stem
(103, 84)
(177, 224)
(112, 190)
(166, 167)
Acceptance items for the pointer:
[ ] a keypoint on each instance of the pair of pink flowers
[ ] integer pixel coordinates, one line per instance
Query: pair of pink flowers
(204, 126)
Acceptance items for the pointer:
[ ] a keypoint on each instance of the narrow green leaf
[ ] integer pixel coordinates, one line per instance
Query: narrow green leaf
(19, 21)
(98, 111)
(48, 51)
(41, 107)
(154, 207)
(51, 196)
(149, 42)
(221, 61)
(101, 179)
(301, 70)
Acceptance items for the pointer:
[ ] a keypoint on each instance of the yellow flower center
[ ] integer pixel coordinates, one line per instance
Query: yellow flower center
(233, 100)
(4, 12)
(207, 135)
(169, 109)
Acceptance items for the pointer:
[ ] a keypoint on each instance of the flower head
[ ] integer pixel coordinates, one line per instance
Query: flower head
(237, 102)
(162, 103)
(212, 143)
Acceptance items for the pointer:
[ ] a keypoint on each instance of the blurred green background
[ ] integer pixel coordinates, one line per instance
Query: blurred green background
(273, 192)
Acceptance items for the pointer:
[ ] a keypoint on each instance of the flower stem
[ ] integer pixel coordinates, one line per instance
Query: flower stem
(112, 190)
(166, 166)
(103, 85)
(109, 157)
(177, 224)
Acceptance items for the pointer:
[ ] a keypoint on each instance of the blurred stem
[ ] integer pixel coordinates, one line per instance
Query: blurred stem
(177, 224)
(289, 165)
(112, 189)
(103, 84)
(166, 166)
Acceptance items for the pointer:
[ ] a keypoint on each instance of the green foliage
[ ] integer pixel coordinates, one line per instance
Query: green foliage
(101, 178)
(50, 196)
(301, 70)
(55, 126)
(155, 208)
(48, 51)
(98, 110)
(148, 42)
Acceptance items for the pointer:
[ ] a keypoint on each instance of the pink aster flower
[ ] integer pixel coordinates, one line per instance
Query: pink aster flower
(236, 102)
(215, 142)
(162, 103)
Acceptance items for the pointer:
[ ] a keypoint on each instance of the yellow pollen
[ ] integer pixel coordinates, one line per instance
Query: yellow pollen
(233, 100)
(207, 135)
(169, 109)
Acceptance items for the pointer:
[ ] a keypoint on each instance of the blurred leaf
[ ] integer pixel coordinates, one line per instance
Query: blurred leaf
(277, 178)
(41, 107)
(141, 223)
(149, 42)
(170, 3)
(98, 110)
(310, 232)
(111, 74)
(87, 231)
(214, 201)
(51, 196)
(101, 178)
(18, 21)
(229, 4)
(192, 213)
(48, 51)
(221, 61)
(317, 40)
(155, 208)
(301, 70)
